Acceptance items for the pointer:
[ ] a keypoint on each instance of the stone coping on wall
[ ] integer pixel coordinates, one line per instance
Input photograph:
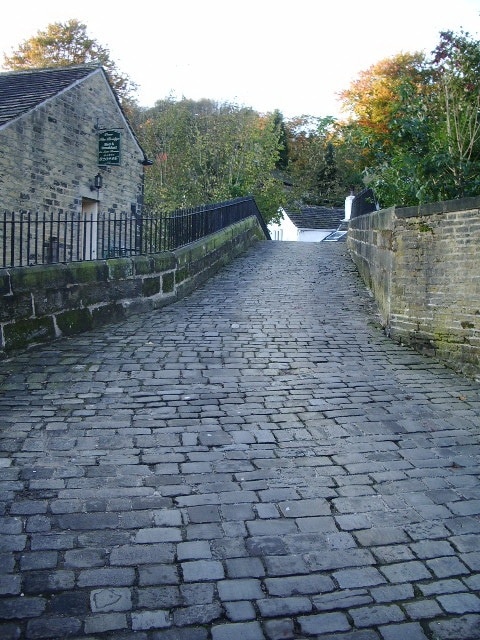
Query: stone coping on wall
(461, 204)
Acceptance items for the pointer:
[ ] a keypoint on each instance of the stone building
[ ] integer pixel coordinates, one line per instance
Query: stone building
(67, 154)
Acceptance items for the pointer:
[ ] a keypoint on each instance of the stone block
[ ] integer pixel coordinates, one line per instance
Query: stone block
(142, 620)
(74, 321)
(21, 333)
(150, 286)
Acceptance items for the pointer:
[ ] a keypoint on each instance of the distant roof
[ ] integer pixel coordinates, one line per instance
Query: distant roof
(317, 217)
(21, 91)
(339, 235)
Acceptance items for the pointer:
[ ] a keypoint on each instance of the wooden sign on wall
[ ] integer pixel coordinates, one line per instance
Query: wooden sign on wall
(109, 148)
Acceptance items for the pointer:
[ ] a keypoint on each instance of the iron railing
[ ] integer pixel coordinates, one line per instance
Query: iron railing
(364, 202)
(30, 238)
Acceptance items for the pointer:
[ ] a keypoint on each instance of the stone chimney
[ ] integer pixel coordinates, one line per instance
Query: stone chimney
(348, 205)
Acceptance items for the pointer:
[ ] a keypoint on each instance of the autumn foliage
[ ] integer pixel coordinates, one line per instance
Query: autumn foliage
(410, 130)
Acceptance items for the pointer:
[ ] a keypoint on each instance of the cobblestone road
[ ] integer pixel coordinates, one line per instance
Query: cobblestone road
(255, 462)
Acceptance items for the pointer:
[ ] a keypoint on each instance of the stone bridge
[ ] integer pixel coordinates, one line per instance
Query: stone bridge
(256, 461)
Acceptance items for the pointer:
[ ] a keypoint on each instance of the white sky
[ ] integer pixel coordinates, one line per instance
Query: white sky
(267, 54)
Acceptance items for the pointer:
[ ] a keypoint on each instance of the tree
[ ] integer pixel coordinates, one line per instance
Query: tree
(317, 165)
(416, 122)
(378, 102)
(456, 65)
(208, 152)
(279, 124)
(63, 44)
(389, 128)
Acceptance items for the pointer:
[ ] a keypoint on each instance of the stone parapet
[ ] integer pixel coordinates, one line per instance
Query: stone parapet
(42, 303)
(422, 265)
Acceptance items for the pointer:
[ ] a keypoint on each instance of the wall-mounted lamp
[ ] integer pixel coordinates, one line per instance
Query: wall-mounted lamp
(97, 182)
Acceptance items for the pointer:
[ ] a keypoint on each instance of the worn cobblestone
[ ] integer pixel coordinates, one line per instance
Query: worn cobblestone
(410, 630)
(256, 461)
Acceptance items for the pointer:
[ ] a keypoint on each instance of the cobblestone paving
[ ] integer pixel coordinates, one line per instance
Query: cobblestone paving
(255, 462)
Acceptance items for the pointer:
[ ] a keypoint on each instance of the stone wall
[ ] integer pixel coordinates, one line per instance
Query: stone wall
(422, 265)
(42, 303)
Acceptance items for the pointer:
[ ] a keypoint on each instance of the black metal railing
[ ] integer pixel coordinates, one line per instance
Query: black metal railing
(29, 238)
(364, 202)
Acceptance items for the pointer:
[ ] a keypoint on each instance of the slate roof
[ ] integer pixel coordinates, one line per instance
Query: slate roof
(317, 217)
(21, 91)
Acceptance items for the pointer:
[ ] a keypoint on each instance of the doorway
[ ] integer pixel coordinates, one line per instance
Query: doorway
(89, 229)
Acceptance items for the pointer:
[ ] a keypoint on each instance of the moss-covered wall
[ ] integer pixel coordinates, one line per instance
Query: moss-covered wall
(422, 265)
(41, 303)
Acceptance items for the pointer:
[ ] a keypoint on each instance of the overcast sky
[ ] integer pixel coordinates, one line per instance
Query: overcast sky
(267, 54)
